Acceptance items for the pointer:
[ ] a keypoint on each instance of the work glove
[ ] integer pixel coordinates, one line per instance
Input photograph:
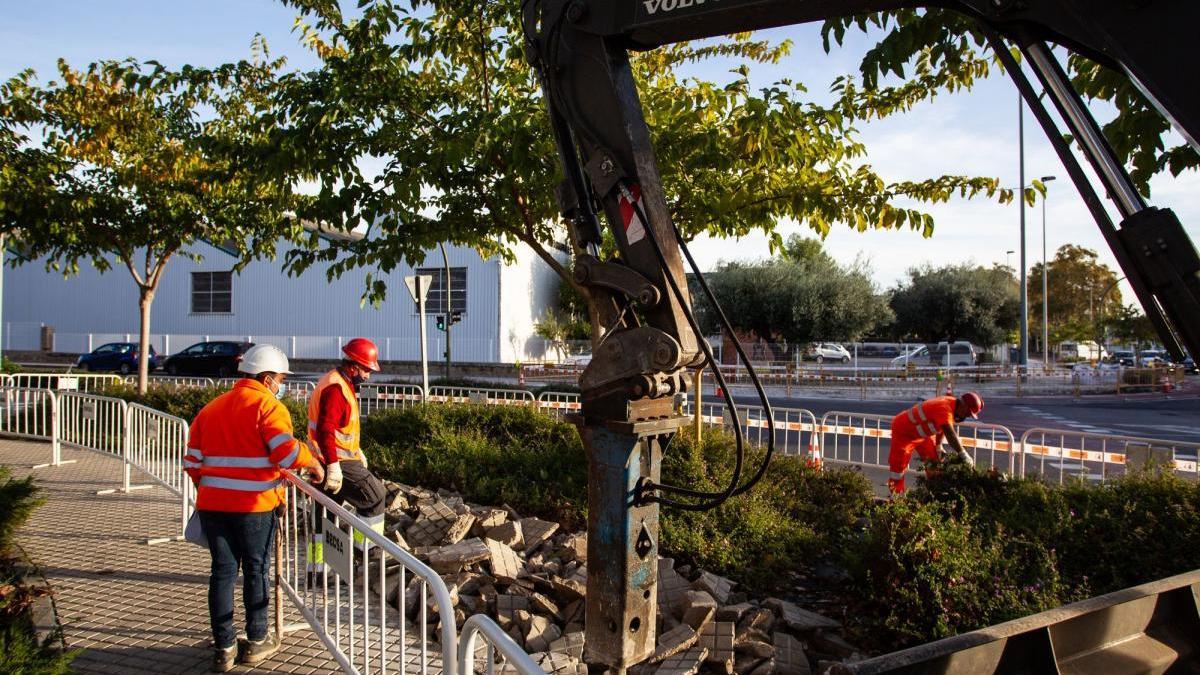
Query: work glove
(333, 478)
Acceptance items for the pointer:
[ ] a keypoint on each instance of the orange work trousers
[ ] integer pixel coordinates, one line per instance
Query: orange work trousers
(901, 453)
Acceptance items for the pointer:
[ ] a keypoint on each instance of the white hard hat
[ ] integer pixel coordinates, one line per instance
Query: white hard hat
(264, 359)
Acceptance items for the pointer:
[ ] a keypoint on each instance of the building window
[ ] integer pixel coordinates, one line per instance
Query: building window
(212, 292)
(435, 301)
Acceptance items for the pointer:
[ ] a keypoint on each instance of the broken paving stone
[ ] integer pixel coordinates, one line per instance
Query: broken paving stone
(790, 658)
(569, 589)
(505, 563)
(717, 638)
(799, 619)
(573, 613)
(508, 533)
(750, 635)
(768, 667)
(698, 609)
(557, 663)
(684, 663)
(746, 663)
(459, 528)
(571, 644)
(522, 618)
(545, 605)
(674, 641)
(459, 556)
(399, 539)
(733, 613)
(829, 643)
(541, 632)
(430, 528)
(756, 619)
(671, 587)
(756, 648)
(576, 545)
(536, 531)
(716, 586)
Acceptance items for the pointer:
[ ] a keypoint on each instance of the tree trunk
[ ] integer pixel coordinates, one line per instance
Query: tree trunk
(145, 299)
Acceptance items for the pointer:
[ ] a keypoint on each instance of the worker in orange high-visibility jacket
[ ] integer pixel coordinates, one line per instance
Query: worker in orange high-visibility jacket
(237, 446)
(333, 422)
(923, 427)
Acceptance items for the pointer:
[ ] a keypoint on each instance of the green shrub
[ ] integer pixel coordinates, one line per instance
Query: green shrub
(18, 499)
(921, 573)
(8, 367)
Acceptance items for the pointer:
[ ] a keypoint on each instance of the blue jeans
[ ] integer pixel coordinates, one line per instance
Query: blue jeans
(239, 539)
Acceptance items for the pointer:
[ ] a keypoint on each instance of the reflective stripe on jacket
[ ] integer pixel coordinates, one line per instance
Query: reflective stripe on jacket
(236, 447)
(925, 419)
(347, 437)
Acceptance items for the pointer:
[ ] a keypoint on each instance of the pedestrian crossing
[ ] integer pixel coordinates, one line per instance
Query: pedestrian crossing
(1061, 421)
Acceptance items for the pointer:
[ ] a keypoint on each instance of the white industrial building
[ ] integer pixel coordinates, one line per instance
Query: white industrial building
(308, 316)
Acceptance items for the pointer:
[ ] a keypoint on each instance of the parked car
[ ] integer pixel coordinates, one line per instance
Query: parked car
(207, 358)
(1152, 358)
(1189, 366)
(913, 354)
(121, 357)
(827, 351)
(1123, 357)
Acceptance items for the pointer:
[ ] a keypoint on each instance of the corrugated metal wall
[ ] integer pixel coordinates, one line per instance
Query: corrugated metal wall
(304, 315)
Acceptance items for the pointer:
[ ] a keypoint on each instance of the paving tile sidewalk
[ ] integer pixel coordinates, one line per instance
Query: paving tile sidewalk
(131, 607)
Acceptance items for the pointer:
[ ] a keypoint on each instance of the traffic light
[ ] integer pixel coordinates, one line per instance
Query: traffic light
(455, 317)
(441, 322)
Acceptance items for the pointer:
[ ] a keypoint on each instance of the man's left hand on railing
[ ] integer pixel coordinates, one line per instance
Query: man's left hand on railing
(316, 472)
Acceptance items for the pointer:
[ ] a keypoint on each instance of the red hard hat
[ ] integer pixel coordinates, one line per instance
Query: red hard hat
(974, 404)
(363, 352)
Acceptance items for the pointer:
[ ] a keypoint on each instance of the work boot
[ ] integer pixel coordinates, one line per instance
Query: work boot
(223, 659)
(251, 652)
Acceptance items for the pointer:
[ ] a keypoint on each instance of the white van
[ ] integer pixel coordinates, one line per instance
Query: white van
(955, 355)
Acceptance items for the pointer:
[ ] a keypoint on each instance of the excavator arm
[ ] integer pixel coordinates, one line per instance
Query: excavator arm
(646, 332)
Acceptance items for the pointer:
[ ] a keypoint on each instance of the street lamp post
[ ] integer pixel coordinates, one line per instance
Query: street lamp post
(1045, 285)
(1024, 338)
(446, 323)
(1008, 259)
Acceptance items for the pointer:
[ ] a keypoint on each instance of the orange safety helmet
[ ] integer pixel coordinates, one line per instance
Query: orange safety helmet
(974, 404)
(363, 352)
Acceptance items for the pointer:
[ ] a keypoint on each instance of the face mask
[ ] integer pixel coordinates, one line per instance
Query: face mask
(280, 391)
(357, 380)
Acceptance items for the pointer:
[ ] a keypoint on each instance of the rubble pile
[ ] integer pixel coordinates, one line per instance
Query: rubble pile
(532, 579)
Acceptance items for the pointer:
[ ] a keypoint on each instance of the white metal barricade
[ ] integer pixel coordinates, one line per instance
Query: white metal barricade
(558, 403)
(91, 422)
(990, 446)
(855, 438)
(1060, 454)
(480, 396)
(84, 382)
(498, 649)
(376, 397)
(174, 381)
(156, 445)
(32, 414)
(374, 610)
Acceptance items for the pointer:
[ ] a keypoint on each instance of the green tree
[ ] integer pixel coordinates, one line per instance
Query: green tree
(957, 302)
(945, 52)
(1130, 326)
(1082, 292)
(134, 163)
(566, 321)
(800, 297)
(441, 91)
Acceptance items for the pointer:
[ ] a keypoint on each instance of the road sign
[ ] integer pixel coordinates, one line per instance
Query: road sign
(418, 287)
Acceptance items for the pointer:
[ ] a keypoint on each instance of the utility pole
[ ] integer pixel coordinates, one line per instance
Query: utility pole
(1045, 285)
(446, 287)
(1024, 344)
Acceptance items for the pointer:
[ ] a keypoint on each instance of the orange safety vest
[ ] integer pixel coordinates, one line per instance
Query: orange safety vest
(236, 446)
(925, 419)
(346, 438)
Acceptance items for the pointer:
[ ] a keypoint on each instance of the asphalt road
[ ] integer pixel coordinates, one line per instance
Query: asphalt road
(1175, 417)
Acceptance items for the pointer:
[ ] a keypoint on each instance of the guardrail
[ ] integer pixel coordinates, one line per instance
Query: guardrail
(156, 443)
(795, 428)
(33, 414)
(497, 643)
(376, 397)
(480, 396)
(62, 381)
(1095, 457)
(860, 438)
(559, 403)
(174, 381)
(349, 605)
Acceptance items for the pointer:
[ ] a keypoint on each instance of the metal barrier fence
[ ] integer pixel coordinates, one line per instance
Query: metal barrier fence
(90, 422)
(497, 649)
(297, 389)
(62, 381)
(156, 443)
(795, 428)
(376, 397)
(558, 403)
(174, 381)
(1055, 453)
(373, 613)
(480, 396)
(860, 438)
(33, 414)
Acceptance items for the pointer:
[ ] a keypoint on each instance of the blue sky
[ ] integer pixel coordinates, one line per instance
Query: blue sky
(973, 133)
